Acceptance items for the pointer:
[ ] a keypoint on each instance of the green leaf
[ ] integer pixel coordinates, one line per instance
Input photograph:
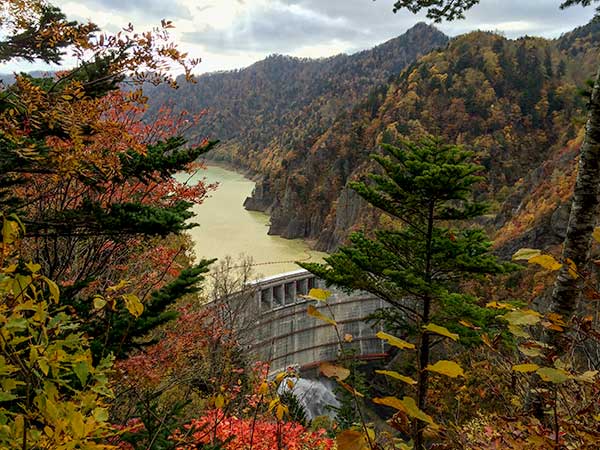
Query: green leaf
(43, 364)
(442, 331)
(552, 375)
(517, 331)
(100, 414)
(397, 376)
(448, 368)
(7, 396)
(394, 341)
(413, 411)
(82, 371)
(99, 302)
(522, 317)
(532, 352)
(54, 290)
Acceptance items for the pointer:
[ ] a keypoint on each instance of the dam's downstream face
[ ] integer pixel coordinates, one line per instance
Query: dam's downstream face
(226, 228)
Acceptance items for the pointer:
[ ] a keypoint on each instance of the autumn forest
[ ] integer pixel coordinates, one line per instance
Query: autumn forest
(452, 180)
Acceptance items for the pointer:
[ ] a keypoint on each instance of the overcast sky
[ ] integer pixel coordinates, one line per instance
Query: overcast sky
(229, 34)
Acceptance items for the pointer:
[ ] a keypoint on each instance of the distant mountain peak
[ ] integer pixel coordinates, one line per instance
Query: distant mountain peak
(420, 27)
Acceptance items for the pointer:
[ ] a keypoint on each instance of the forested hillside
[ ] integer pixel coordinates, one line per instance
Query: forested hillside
(515, 103)
(304, 128)
(284, 102)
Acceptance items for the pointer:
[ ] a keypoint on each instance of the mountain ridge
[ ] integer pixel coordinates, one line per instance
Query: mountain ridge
(304, 128)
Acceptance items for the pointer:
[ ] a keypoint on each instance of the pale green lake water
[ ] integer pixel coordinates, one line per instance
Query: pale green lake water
(226, 228)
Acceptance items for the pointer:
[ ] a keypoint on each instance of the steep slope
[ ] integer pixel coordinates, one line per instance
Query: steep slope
(515, 103)
(281, 104)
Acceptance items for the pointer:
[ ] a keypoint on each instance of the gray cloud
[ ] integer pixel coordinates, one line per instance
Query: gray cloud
(279, 28)
(287, 25)
(153, 9)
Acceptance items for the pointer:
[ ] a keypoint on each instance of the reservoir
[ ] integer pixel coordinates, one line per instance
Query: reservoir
(226, 228)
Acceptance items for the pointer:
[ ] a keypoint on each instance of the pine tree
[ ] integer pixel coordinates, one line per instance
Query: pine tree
(34, 115)
(417, 264)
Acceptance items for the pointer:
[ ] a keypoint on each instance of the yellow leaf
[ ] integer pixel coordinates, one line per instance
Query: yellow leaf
(596, 234)
(468, 324)
(314, 312)
(394, 341)
(525, 254)
(219, 401)
(10, 231)
(546, 261)
(351, 440)
(280, 411)
(53, 288)
(43, 365)
(588, 376)
(273, 403)
(442, 331)
(333, 371)
(522, 317)
(392, 402)
(413, 411)
(77, 425)
(133, 304)
(320, 295)
(448, 368)
(348, 337)
(525, 368)
(279, 377)
(397, 376)
(33, 268)
(497, 305)
(121, 285)
(572, 268)
(407, 405)
(99, 302)
(350, 389)
(264, 388)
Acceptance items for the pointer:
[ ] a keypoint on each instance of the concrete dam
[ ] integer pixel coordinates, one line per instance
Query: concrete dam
(280, 331)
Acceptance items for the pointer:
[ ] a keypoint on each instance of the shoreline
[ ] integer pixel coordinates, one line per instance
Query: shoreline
(250, 176)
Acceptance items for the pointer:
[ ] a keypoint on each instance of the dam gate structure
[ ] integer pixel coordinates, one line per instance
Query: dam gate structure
(278, 329)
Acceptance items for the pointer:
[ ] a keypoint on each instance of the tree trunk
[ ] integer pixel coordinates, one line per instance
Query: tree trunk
(584, 208)
(424, 346)
(423, 378)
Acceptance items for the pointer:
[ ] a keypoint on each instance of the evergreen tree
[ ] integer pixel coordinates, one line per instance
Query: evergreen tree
(34, 114)
(417, 264)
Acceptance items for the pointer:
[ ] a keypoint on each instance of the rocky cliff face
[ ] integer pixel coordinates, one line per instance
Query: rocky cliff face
(304, 128)
(515, 103)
